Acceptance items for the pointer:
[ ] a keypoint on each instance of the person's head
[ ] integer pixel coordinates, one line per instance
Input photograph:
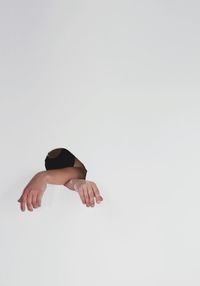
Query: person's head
(59, 158)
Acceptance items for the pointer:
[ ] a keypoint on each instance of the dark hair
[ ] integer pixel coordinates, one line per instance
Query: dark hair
(63, 160)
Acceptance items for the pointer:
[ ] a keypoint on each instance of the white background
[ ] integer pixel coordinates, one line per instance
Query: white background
(116, 83)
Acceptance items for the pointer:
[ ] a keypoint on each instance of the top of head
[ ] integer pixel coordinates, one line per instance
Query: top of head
(59, 158)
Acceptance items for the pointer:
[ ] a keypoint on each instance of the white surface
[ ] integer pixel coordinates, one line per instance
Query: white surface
(117, 83)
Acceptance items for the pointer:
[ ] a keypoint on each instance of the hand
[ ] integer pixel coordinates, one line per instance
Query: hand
(88, 192)
(33, 192)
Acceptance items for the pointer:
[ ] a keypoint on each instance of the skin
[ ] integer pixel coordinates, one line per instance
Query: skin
(71, 177)
(87, 190)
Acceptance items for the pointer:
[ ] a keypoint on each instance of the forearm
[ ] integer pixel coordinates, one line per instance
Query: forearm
(64, 175)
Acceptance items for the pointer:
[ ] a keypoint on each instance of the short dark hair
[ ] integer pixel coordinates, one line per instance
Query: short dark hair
(63, 160)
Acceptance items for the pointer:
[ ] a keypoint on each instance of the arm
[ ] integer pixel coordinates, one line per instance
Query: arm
(71, 183)
(64, 175)
(87, 190)
(33, 192)
(74, 179)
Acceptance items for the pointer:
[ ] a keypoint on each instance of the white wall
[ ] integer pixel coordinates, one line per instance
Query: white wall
(117, 83)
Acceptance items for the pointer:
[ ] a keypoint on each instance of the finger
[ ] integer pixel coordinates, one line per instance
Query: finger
(39, 199)
(34, 200)
(85, 191)
(91, 195)
(23, 203)
(81, 194)
(29, 202)
(97, 193)
(20, 199)
(23, 200)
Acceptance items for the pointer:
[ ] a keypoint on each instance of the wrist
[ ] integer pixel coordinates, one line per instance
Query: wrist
(43, 175)
(70, 184)
(73, 183)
